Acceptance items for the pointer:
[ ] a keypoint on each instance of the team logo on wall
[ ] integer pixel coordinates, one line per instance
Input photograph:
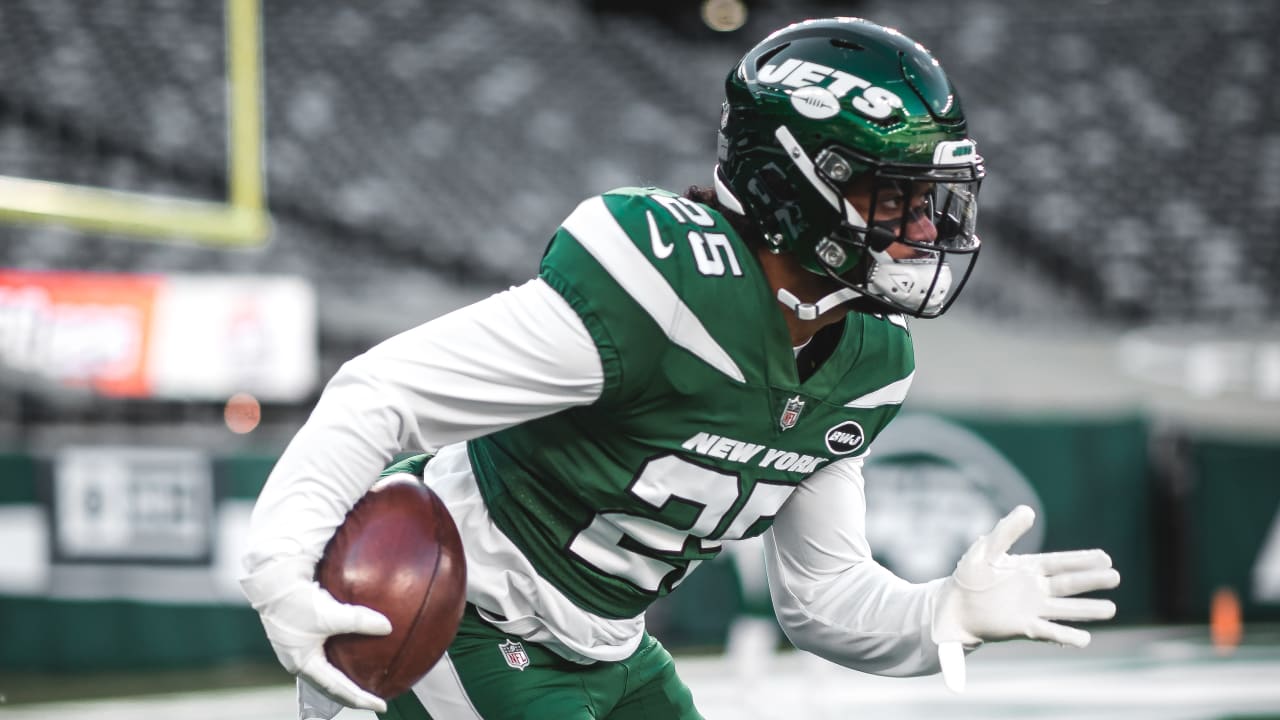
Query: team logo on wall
(515, 655)
(845, 438)
(932, 488)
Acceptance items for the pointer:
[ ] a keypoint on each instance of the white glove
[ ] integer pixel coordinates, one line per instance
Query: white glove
(299, 616)
(993, 595)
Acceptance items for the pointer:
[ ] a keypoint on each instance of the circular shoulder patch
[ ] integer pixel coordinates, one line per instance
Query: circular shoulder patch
(815, 102)
(845, 438)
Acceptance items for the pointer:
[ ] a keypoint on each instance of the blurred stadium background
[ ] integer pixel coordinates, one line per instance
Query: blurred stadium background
(206, 207)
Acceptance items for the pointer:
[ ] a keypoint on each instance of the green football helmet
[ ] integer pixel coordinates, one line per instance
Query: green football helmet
(825, 110)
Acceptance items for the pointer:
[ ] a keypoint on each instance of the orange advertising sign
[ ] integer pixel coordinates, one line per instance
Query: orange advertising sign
(186, 337)
(79, 328)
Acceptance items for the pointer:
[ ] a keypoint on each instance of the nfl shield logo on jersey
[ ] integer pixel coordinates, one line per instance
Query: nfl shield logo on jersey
(791, 413)
(515, 654)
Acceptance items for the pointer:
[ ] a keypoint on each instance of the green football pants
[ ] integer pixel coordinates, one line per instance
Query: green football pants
(487, 675)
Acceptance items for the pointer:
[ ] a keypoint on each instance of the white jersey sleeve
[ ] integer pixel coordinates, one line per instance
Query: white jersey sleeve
(513, 357)
(831, 597)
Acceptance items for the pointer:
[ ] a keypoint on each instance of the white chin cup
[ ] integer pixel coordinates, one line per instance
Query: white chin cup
(811, 311)
(904, 284)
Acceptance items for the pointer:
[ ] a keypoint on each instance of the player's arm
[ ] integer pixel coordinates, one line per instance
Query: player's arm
(830, 595)
(510, 358)
(513, 357)
(833, 599)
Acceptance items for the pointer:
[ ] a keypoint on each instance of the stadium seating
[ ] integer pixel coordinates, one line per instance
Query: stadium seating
(1135, 165)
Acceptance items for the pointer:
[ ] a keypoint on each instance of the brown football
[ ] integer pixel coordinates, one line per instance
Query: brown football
(398, 552)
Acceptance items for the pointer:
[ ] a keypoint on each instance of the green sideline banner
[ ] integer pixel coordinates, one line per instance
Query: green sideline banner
(1233, 525)
(57, 635)
(125, 563)
(133, 565)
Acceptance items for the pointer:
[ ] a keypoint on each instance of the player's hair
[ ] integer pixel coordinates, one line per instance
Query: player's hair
(746, 229)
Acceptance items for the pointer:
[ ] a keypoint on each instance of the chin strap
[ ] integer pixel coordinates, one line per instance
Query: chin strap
(811, 311)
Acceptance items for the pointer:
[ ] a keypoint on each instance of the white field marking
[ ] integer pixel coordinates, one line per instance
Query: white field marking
(1015, 680)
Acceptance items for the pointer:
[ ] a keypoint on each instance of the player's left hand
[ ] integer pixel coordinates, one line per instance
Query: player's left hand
(993, 595)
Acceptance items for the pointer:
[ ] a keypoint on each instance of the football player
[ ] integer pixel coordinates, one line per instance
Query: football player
(684, 371)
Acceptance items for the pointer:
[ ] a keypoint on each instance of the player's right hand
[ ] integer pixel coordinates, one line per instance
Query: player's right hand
(993, 595)
(298, 616)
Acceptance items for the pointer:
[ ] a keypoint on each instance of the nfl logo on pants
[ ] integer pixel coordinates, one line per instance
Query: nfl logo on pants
(515, 654)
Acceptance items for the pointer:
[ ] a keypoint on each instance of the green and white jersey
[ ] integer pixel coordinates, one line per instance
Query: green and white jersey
(601, 429)
(702, 429)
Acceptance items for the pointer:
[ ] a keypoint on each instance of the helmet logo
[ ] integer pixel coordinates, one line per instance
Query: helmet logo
(873, 101)
(815, 102)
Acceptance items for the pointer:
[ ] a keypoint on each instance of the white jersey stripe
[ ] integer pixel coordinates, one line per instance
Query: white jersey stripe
(892, 394)
(442, 694)
(595, 229)
(502, 581)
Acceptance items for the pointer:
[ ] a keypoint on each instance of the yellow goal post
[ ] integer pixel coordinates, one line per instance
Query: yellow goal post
(241, 221)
